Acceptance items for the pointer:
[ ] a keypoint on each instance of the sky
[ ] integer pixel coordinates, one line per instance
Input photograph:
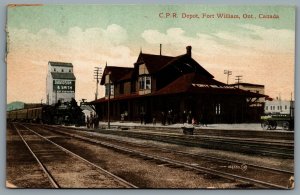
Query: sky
(88, 36)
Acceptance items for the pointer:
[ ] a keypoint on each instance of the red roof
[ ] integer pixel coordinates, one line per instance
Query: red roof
(194, 83)
(153, 62)
(190, 83)
(121, 97)
(116, 73)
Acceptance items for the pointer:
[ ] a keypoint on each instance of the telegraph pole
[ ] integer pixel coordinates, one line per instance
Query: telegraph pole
(97, 75)
(108, 102)
(228, 72)
(238, 79)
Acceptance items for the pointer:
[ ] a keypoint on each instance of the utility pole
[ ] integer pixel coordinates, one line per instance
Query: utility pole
(291, 106)
(56, 95)
(238, 79)
(97, 75)
(228, 72)
(108, 102)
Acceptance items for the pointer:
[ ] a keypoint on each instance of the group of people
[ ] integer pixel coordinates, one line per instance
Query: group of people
(167, 118)
(170, 117)
(92, 121)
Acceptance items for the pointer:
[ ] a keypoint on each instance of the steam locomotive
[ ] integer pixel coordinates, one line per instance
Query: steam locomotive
(68, 113)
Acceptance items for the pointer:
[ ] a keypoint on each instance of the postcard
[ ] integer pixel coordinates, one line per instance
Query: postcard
(183, 96)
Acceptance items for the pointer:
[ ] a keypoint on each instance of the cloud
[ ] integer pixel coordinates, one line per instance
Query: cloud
(177, 39)
(262, 55)
(253, 38)
(261, 39)
(29, 54)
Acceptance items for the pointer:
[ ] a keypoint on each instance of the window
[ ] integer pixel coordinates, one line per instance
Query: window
(141, 83)
(218, 109)
(148, 82)
(278, 108)
(144, 82)
(107, 89)
(266, 107)
(70, 70)
(54, 69)
(62, 70)
(285, 107)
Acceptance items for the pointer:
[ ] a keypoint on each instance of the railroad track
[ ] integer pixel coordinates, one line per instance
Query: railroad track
(49, 155)
(264, 148)
(245, 134)
(229, 136)
(170, 150)
(148, 152)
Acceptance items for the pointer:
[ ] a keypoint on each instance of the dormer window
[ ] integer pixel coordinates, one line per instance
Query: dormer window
(107, 89)
(145, 83)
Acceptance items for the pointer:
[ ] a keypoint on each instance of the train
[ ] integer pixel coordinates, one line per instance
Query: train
(68, 113)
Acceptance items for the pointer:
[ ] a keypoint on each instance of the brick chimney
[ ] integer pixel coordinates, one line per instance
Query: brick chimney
(189, 51)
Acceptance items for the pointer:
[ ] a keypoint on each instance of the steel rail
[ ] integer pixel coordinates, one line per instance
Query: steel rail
(182, 164)
(179, 139)
(187, 153)
(196, 155)
(83, 159)
(48, 174)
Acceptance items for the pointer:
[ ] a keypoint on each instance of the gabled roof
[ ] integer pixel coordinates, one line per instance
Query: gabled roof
(59, 75)
(64, 64)
(153, 62)
(156, 63)
(127, 76)
(189, 83)
(116, 73)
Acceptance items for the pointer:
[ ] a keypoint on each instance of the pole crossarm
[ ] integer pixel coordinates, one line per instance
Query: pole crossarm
(238, 79)
(97, 75)
(228, 72)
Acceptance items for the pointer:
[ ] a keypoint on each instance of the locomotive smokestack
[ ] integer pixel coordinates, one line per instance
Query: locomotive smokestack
(189, 51)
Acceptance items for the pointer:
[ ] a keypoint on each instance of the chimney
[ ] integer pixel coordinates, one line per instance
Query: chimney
(189, 51)
(160, 49)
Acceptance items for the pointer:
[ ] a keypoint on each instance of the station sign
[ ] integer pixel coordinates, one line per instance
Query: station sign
(63, 86)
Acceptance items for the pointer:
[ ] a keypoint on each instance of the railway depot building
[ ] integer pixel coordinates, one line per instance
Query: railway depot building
(60, 82)
(159, 87)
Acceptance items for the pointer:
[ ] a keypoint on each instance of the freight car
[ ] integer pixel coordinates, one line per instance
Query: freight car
(26, 115)
(68, 114)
